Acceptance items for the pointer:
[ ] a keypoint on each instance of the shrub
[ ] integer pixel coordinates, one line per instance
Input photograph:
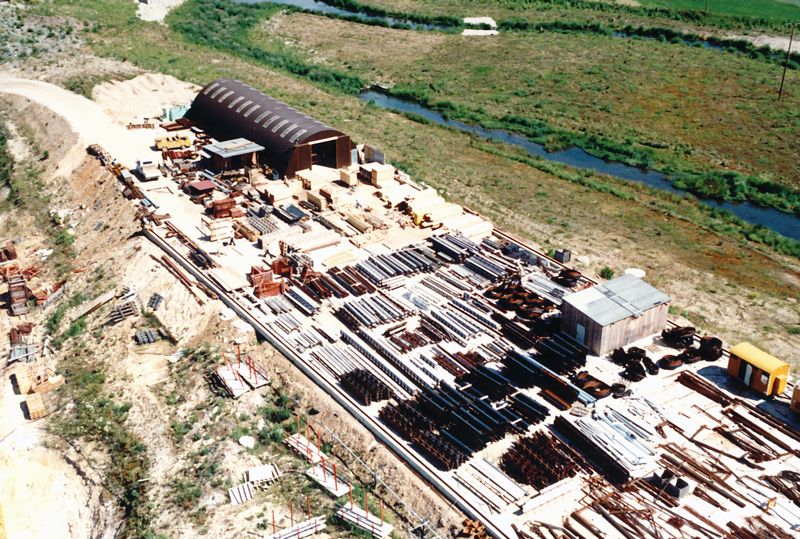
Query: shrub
(606, 273)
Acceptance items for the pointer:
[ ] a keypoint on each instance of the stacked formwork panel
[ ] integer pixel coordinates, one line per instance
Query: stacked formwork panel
(18, 293)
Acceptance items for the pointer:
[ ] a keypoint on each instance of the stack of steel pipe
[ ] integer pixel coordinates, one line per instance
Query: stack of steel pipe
(456, 280)
(447, 361)
(448, 248)
(352, 280)
(460, 325)
(306, 340)
(561, 354)
(277, 304)
(488, 381)
(557, 391)
(334, 360)
(407, 341)
(518, 334)
(489, 269)
(477, 281)
(302, 301)
(406, 367)
(475, 313)
(287, 322)
(525, 371)
(612, 444)
(376, 310)
(529, 409)
(326, 286)
(421, 298)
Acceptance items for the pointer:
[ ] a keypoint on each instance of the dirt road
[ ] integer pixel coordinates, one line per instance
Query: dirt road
(85, 117)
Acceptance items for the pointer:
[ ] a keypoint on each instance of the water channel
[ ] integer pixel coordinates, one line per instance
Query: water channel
(324, 9)
(783, 223)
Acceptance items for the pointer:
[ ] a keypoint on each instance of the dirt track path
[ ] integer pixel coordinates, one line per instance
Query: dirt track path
(85, 117)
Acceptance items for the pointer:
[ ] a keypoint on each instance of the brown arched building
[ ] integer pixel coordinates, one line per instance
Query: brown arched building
(292, 141)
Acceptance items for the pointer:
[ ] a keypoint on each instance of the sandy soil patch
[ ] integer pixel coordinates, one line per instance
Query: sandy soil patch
(17, 144)
(774, 42)
(143, 96)
(156, 10)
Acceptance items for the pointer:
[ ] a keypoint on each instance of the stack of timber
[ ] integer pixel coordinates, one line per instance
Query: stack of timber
(327, 476)
(230, 380)
(490, 484)
(303, 529)
(304, 448)
(35, 406)
(364, 520)
(18, 293)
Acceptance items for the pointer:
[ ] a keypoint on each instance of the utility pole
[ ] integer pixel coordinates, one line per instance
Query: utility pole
(786, 63)
(706, 10)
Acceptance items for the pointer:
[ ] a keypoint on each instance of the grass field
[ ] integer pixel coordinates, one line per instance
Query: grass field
(729, 12)
(768, 9)
(701, 108)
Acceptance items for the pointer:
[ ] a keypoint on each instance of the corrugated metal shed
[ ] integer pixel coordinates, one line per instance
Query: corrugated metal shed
(228, 108)
(617, 299)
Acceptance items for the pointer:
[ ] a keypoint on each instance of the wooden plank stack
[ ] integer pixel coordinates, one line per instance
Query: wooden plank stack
(364, 520)
(302, 529)
(305, 448)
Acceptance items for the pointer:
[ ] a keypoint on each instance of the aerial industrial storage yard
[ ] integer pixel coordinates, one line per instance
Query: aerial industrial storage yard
(538, 401)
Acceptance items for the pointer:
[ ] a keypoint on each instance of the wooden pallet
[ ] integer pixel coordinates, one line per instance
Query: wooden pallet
(241, 494)
(261, 476)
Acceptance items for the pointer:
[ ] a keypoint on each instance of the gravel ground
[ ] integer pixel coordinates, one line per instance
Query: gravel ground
(34, 36)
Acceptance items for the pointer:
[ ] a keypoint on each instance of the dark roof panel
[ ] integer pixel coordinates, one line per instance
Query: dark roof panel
(225, 108)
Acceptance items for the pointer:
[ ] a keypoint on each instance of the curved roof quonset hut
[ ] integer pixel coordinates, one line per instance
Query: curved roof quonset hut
(292, 141)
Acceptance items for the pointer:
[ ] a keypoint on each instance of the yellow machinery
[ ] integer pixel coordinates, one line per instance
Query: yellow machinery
(173, 143)
(796, 399)
(759, 370)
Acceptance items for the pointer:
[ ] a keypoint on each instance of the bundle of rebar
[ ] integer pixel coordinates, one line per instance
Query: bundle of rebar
(366, 386)
(540, 460)
(704, 387)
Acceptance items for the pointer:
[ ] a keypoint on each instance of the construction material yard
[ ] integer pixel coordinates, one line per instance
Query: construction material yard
(230, 317)
(444, 338)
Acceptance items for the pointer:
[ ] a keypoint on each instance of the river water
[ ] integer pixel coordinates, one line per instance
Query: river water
(783, 223)
(324, 9)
